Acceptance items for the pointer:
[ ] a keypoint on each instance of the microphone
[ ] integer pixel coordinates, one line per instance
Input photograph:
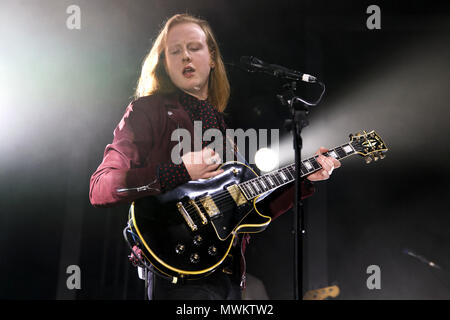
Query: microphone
(421, 258)
(253, 64)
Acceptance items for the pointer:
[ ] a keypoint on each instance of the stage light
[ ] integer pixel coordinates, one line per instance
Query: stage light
(266, 159)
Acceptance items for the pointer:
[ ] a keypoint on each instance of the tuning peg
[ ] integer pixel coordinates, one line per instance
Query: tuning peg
(382, 155)
(350, 136)
(376, 157)
(368, 159)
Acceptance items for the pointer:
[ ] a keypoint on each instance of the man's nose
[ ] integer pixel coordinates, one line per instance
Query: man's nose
(186, 56)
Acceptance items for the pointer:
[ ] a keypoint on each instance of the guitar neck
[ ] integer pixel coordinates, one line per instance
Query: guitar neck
(280, 177)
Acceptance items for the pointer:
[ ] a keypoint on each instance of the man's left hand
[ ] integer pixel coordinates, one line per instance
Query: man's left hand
(328, 165)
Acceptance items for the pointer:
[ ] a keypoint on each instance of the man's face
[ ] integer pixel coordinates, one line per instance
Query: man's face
(188, 60)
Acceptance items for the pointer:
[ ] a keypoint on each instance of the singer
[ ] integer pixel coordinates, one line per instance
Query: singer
(183, 80)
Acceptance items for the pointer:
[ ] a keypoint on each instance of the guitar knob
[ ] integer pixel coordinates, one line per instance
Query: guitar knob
(376, 157)
(212, 250)
(198, 240)
(195, 258)
(368, 159)
(382, 155)
(180, 248)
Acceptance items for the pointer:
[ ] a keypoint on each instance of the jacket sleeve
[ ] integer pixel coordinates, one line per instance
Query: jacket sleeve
(123, 164)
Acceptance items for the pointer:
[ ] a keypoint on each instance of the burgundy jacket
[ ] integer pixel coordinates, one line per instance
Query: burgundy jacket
(142, 141)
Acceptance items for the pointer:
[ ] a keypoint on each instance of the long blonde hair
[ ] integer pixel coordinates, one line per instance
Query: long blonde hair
(154, 78)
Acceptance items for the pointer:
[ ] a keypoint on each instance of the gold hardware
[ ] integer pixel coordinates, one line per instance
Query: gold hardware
(209, 206)
(186, 216)
(368, 159)
(200, 213)
(237, 195)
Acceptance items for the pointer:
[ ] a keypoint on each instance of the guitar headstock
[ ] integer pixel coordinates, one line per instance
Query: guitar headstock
(369, 145)
(322, 294)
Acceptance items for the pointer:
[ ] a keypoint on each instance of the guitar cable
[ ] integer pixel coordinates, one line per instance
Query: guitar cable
(142, 264)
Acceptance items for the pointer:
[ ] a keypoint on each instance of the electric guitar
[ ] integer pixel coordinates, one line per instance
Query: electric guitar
(322, 293)
(189, 231)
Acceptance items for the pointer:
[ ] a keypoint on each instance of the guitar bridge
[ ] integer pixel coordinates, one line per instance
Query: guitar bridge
(199, 212)
(186, 217)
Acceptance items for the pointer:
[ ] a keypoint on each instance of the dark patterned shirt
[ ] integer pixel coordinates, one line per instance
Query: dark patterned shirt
(172, 175)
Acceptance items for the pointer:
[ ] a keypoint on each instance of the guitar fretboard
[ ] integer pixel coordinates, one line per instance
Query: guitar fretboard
(277, 178)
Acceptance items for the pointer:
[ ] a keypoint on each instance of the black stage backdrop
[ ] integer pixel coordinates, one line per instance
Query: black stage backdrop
(64, 90)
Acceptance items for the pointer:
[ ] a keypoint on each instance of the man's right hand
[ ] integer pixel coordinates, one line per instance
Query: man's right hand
(202, 164)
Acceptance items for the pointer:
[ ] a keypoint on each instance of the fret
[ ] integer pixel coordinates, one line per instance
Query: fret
(278, 179)
(291, 169)
(333, 153)
(255, 185)
(287, 174)
(283, 176)
(308, 166)
(348, 149)
(250, 189)
(315, 164)
(303, 169)
(340, 152)
(244, 191)
(272, 180)
(263, 183)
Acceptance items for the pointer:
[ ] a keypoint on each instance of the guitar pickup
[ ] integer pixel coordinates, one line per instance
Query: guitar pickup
(210, 207)
(186, 217)
(237, 194)
(199, 212)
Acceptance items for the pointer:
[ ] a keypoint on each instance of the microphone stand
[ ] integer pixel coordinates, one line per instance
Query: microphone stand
(296, 124)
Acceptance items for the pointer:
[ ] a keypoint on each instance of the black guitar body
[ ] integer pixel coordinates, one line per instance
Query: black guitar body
(188, 232)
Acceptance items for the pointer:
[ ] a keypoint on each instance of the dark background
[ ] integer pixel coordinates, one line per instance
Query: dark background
(62, 92)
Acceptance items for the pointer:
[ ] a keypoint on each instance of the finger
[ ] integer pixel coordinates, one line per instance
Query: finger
(327, 164)
(208, 152)
(212, 167)
(214, 160)
(325, 174)
(322, 150)
(337, 163)
(211, 174)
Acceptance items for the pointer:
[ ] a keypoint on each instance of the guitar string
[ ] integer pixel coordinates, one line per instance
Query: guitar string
(224, 194)
(273, 176)
(225, 198)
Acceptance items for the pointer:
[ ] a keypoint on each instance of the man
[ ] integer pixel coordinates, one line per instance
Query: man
(183, 80)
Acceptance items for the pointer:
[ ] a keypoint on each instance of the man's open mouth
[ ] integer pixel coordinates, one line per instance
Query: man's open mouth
(188, 71)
